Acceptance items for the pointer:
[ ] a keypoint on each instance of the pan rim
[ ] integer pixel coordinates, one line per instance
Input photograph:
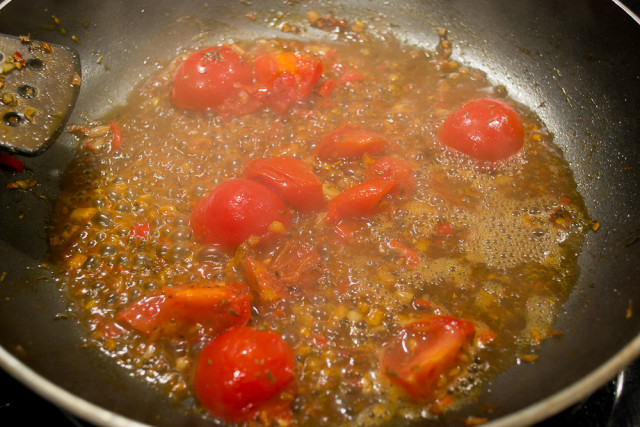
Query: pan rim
(529, 415)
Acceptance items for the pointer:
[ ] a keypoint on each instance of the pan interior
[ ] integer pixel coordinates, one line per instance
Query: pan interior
(575, 67)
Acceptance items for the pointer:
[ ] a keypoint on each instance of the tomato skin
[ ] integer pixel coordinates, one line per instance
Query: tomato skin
(397, 170)
(307, 70)
(285, 79)
(487, 129)
(349, 141)
(423, 351)
(297, 264)
(291, 179)
(358, 201)
(243, 372)
(209, 77)
(236, 210)
(174, 311)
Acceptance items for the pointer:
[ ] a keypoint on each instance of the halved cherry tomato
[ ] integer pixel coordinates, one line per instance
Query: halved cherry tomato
(358, 201)
(424, 351)
(236, 210)
(209, 77)
(486, 129)
(244, 373)
(349, 141)
(206, 308)
(290, 178)
(397, 170)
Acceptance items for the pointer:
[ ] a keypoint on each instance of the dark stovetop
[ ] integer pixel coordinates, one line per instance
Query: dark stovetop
(617, 404)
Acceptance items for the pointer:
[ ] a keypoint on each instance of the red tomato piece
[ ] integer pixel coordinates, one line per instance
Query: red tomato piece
(349, 141)
(116, 142)
(411, 256)
(397, 170)
(291, 179)
(444, 229)
(209, 77)
(177, 311)
(244, 373)
(307, 70)
(285, 79)
(358, 201)
(326, 87)
(297, 265)
(141, 231)
(236, 210)
(425, 350)
(11, 162)
(487, 129)
(263, 281)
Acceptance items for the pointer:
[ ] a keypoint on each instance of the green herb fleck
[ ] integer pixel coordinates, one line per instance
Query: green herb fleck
(213, 55)
(270, 376)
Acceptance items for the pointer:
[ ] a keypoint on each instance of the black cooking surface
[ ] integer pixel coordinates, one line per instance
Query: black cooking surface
(617, 404)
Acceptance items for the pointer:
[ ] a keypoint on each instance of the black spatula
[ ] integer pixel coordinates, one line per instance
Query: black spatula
(39, 84)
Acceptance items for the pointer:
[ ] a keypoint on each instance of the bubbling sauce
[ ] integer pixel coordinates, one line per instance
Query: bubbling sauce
(497, 244)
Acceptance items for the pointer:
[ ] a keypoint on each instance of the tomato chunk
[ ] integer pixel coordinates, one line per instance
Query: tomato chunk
(349, 141)
(200, 309)
(297, 264)
(307, 70)
(397, 170)
(244, 373)
(286, 78)
(358, 201)
(487, 129)
(206, 79)
(236, 210)
(424, 351)
(290, 178)
(266, 284)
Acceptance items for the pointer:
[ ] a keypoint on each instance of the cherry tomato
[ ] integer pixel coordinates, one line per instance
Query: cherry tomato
(358, 201)
(177, 311)
(486, 129)
(425, 350)
(236, 210)
(206, 79)
(397, 170)
(292, 179)
(349, 141)
(246, 372)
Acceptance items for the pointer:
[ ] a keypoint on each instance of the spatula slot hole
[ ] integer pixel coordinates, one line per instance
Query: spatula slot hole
(1, 56)
(13, 119)
(36, 64)
(27, 91)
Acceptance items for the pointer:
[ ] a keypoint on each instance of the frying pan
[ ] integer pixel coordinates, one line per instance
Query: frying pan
(575, 63)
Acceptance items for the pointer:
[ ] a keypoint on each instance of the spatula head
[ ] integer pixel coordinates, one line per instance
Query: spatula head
(40, 83)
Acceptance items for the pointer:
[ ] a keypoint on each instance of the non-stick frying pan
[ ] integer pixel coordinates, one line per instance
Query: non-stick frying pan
(575, 63)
